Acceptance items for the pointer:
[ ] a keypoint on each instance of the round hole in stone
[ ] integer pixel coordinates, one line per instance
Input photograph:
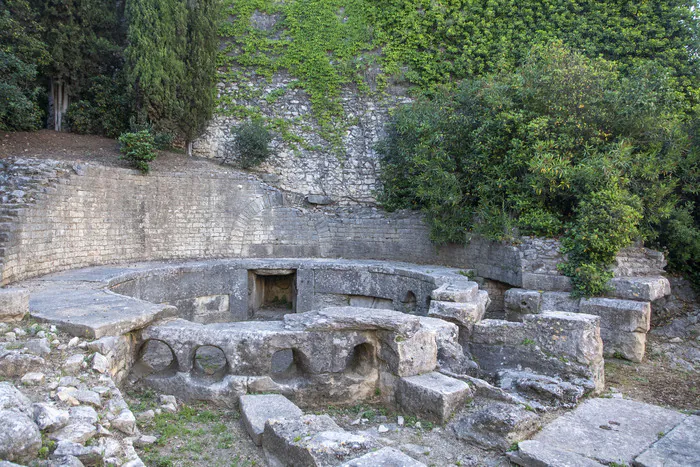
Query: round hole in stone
(155, 356)
(362, 359)
(287, 364)
(409, 302)
(209, 361)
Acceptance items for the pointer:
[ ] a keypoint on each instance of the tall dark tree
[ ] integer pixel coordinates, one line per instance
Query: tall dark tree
(198, 90)
(21, 50)
(155, 69)
(84, 40)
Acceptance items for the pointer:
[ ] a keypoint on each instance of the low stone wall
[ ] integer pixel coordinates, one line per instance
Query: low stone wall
(57, 216)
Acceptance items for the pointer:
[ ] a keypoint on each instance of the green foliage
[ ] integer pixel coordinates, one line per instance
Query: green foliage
(155, 71)
(21, 50)
(564, 145)
(252, 143)
(199, 84)
(138, 148)
(371, 43)
(102, 109)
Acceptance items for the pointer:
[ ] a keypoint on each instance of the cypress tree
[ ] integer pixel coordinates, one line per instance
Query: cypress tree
(155, 68)
(198, 90)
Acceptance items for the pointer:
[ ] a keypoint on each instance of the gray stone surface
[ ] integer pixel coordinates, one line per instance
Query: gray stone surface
(258, 409)
(555, 344)
(519, 302)
(14, 304)
(432, 396)
(456, 291)
(14, 363)
(385, 457)
(353, 319)
(640, 288)
(311, 440)
(623, 325)
(464, 314)
(678, 448)
(537, 454)
(609, 430)
(78, 432)
(12, 399)
(49, 418)
(88, 455)
(20, 438)
(496, 425)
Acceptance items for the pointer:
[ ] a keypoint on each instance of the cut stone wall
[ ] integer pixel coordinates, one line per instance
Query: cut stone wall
(57, 216)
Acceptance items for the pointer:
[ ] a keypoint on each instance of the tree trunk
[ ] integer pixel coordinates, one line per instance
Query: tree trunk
(58, 103)
(189, 148)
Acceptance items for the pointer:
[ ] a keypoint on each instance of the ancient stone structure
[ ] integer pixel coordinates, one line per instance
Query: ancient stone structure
(216, 286)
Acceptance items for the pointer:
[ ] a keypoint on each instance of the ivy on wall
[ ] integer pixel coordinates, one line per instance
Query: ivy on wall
(328, 44)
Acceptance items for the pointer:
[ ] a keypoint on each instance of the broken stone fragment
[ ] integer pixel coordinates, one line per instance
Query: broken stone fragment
(14, 363)
(12, 399)
(73, 364)
(49, 418)
(312, 440)
(33, 379)
(256, 410)
(14, 304)
(79, 432)
(100, 363)
(20, 438)
(88, 455)
(497, 425)
(125, 422)
(39, 347)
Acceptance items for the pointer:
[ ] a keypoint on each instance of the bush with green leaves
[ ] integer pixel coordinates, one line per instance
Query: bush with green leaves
(138, 148)
(252, 143)
(562, 146)
(102, 110)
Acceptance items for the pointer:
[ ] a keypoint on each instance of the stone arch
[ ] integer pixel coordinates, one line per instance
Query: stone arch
(209, 362)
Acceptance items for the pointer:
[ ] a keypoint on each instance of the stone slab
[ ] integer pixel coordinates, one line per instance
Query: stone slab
(640, 288)
(457, 291)
(609, 430)
(678, 448)
(94, 313)
(353, 319)
(432, 396)
(14, 304)
(496, 425)
(385, 457)
(536, 454)
(461, 313)
(258, 409)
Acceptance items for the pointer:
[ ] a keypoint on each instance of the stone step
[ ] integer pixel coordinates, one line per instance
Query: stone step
(432, 396)
(256, 410)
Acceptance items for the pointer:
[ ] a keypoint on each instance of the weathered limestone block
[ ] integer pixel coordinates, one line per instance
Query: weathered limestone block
(408, 356)
(497, 425)
(20, 438)
(462, 314)
(12, 399)
(559, 301)
(432, 396)
(546, 389)
(450, 354)
(623, 325)
(311, 440)
(520, 302)
(640, 288)
(456, 291)
(49, 418)
(14, 304)
(256, 410)
(556, 344)
(385, 457)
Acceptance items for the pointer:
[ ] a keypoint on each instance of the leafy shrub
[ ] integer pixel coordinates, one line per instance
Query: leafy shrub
(102, 110)
(562, 146)
(138, 149)
(162, 139)
(252, 143)
(18, 98)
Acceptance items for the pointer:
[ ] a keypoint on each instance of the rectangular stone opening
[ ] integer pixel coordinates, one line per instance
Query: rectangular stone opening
(272, 293)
